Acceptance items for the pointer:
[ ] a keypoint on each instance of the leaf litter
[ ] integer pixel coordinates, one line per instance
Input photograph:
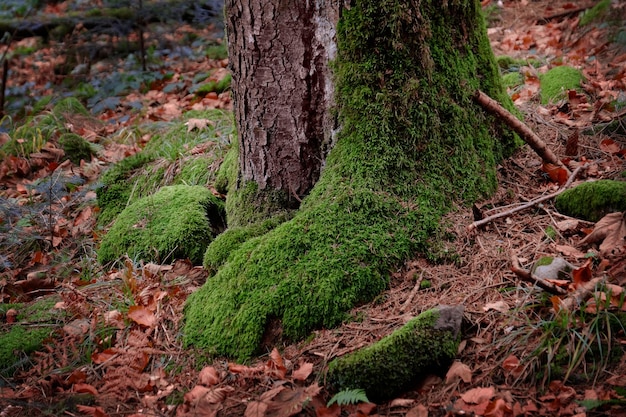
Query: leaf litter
(131, 317)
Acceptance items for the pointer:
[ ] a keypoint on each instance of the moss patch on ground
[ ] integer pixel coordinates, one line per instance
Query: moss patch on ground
(412, 143)
(394, 364)
(27, 335)
(593, 200)
(556, 82)
(178, 221)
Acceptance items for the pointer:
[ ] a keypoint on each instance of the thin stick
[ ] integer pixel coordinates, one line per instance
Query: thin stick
(534, 141)
(408, 301)
(486, 220)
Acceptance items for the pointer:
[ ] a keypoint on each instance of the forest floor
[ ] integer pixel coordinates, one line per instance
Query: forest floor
(117, 350)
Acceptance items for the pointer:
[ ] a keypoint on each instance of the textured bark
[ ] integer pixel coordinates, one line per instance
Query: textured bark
(282, 88)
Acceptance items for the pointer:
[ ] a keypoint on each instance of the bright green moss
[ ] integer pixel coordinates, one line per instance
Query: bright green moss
(76, 148)
(593, 200)
(176, 222)
(412, 143)
(228, 170)
(556, 82)
(596, 11)
(512, 79)
(388, 367)
(19, 340)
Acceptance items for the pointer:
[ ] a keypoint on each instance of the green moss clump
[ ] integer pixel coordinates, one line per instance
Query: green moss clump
(176, 222)
(596, 11)
(20, 340)
(228, 170)
(512, 80)
(556, 82)
(215, 86)
(217, 51)
(593, 200)
(394, 364)
(412, 143)
(226, 243)
(76, 148)
(117, 188)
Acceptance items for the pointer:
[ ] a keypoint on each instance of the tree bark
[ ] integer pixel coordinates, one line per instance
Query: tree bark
(409, 143)
(282, 89)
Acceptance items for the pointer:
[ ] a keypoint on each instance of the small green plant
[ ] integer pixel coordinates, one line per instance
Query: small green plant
(349, 396)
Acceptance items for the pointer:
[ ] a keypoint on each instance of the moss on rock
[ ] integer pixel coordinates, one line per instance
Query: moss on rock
(178, 221)
(593, 200)
(556, 82)
(412, 143)
(426, 344)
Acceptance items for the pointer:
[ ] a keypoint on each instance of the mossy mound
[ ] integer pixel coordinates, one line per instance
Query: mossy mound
(556, 82)
(412, 143)
(178, 221)
(426, 344)
(593, 200)
(166, 160)
(19, 340)
(76, 148)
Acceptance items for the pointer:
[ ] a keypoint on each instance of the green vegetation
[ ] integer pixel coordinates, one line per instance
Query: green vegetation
(76, 148)
(512, 80)
(215, 86)
(35, 322)
(412, 143)
(177, 221)
(217, 51)
(386, 368)
(593, 200)
(595, 12)
(556, 82)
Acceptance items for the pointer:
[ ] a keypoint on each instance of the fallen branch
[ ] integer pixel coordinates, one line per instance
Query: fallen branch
(582, 294)
(534, 141)
(532, 203)
(527, 276)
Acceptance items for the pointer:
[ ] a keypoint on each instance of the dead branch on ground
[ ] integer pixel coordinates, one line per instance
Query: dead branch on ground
(532, 203)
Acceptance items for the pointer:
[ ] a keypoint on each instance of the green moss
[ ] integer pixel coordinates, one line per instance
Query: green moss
(118, 187)
(596, 11)
(195, 171)
(512, 79)
(249, 205)
(556, 82)
(28, 333)
(593, 200)
(228, 170)
(218, 51)
(412, 142)
(226, 243)
(507, 63)
(215, 86)
(76, 148)
(392, 365)
(176, 222)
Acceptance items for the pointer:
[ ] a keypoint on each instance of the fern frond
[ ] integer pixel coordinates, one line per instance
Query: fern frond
(349, 396)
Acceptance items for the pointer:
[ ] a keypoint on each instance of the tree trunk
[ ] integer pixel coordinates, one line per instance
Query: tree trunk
(283, 91)
(410, 143)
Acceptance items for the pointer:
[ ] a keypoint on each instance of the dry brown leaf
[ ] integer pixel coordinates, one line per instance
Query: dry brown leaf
(208, 376)
(142, 316)
(401, 402)
(459, 370)
(512, 365)
(303, 372)
(478, 395)
(500, 306)
(289, 402)
(255, 409)
(611, 231)
(199, 124)
(418, 411)
(498, 408)
(570, 251)
(92, 411)
(85, 389)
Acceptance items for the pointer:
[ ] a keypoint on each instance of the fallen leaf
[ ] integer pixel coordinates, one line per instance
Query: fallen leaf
(91, 411)
(478, 395)
(142, 316)
(582, 274)
(418, 411)
(208, 376)
(611, 231)
(512, 365)
(199, 124)
(85, 389)
(498, 408)
(459, 370)
(500, 306)
(402, 402)
(303, 372)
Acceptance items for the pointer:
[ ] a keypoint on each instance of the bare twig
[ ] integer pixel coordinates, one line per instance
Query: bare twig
(582, 294)
(418, 283)
(527, 276)
(532, 203)
(534, 141)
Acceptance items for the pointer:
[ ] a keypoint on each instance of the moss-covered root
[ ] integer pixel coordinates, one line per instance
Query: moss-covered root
(593, 200)
(428, 343)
